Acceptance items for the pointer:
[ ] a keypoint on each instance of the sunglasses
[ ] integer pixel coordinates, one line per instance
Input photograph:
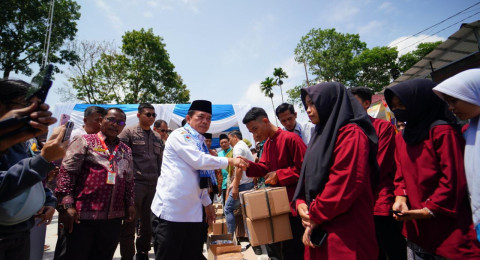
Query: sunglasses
(150, 114)
(118, 122)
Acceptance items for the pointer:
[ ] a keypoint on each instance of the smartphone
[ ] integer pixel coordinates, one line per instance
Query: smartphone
(41, 84)
(318, 236)
(64, 118)
(68, 132)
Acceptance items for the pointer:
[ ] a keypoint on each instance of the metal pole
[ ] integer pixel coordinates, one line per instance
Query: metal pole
(49, 33)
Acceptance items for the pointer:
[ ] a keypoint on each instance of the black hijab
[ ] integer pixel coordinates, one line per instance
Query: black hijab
(336, 107)
(424, 108)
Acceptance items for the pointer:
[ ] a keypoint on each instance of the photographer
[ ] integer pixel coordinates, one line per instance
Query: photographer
(19, 172)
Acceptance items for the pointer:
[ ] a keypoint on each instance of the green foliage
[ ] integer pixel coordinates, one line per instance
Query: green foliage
(406, 61)
(330, 54)
(23, 25)
(376, 67)
(266, 87)
(142, 72)
(279, 74)
(294, 96)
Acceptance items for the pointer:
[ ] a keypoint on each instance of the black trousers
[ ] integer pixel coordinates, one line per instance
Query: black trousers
(178, 240)
(143, 200)
(391, 243)
(292, 249)
(90, 240)
(16, 248)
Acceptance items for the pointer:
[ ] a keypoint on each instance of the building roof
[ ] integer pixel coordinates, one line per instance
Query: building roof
(459, 45)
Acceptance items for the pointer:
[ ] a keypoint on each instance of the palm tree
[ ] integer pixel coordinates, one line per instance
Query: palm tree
(266, 87)
(279, 73)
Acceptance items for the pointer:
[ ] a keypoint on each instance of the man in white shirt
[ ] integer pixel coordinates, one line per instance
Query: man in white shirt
(240, 181)
(288, 118)
(182, 188)
(92, 117)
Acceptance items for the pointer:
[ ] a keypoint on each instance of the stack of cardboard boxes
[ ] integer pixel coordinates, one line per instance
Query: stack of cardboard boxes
(266, 214)
(220, 225)
(223, 247)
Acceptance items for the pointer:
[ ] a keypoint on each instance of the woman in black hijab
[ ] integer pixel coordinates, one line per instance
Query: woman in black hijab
(430, 182)
(334, 193)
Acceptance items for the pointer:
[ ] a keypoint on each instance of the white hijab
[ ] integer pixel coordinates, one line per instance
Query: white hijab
(466, 87)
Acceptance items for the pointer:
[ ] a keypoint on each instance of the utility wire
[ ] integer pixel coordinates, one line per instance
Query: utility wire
(444, 20)
(439, 31)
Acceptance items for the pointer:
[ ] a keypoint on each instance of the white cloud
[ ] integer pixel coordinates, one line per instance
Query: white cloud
(387, 7)
(342, 11)
(147, 14)
(111, 15)
(405, 45)
(370, 29)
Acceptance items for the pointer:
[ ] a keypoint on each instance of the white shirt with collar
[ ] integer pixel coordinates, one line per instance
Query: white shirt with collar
(241, 149)
(304, 130)
(178, 197)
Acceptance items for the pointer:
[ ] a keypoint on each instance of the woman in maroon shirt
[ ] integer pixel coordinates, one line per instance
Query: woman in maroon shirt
(334, 193)
(430, 185)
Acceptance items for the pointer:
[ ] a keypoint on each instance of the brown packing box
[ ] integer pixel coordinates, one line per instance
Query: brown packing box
(260, 230)
(219, 212)
(223, 251)
(219, 227)
(256, 206)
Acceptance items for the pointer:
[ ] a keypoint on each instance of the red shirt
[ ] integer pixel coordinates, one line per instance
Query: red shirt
(431, 174)
(83, 175)
(383, 192)
(283, 153)
(344, 209)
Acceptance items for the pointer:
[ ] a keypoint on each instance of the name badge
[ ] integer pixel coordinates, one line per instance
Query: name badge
(111, 177)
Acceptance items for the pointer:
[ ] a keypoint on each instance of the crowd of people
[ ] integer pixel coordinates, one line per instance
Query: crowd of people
(359, 187)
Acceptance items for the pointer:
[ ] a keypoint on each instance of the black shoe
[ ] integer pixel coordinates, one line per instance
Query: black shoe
(141, 256)
(257, 250)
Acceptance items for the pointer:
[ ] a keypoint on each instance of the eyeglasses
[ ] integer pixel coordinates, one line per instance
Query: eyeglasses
(118, 122)
(163, 130)
(150, 114)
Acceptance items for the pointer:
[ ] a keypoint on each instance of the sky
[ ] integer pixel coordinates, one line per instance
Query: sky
(224, 49)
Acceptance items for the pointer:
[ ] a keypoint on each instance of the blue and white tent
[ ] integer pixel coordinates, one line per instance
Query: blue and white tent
(225, 118)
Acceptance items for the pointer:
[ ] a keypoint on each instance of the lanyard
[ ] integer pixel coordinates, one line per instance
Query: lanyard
(110, 159)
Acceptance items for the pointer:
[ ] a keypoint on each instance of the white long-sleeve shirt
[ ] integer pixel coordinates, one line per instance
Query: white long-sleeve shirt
(178, 197)
(241, 149)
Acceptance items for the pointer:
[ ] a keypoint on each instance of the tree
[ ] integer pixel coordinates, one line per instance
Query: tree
(23, 25)
(150, 76)
(406, 61)
(304, 55)
(280, 74)
(140, 72)
(330, 54)
(294, 96)
(266, 88)
(376, 67)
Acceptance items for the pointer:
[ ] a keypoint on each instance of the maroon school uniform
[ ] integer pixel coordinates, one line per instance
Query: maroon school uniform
(431, 174)
(284, 154)
(344, 207)
(386, 163)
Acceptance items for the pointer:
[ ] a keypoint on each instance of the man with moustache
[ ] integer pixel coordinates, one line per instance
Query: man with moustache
(182, 188)
(147, 150)
(95, 191)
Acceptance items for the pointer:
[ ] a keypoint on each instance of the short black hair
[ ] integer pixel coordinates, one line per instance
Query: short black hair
(208, 136)
(184, 121)
(12, 89)
(159, 123)
(118, 109)
(236, 133)
(253, 114)
(94, 109)
(362, 92)
(284, 107)
(143, 106)
(223, 136)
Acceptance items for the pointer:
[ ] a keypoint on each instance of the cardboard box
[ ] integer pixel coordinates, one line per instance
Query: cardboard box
(255, 206)
(219, 212)
(260, 231)
(223, 251)
(218, 228)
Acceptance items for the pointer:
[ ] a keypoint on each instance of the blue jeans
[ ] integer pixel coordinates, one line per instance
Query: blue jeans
(232, 204)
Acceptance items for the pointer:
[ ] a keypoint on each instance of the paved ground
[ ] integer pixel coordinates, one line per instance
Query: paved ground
(51, 239)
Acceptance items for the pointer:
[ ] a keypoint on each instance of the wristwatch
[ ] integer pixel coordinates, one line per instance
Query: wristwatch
(64, 207)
